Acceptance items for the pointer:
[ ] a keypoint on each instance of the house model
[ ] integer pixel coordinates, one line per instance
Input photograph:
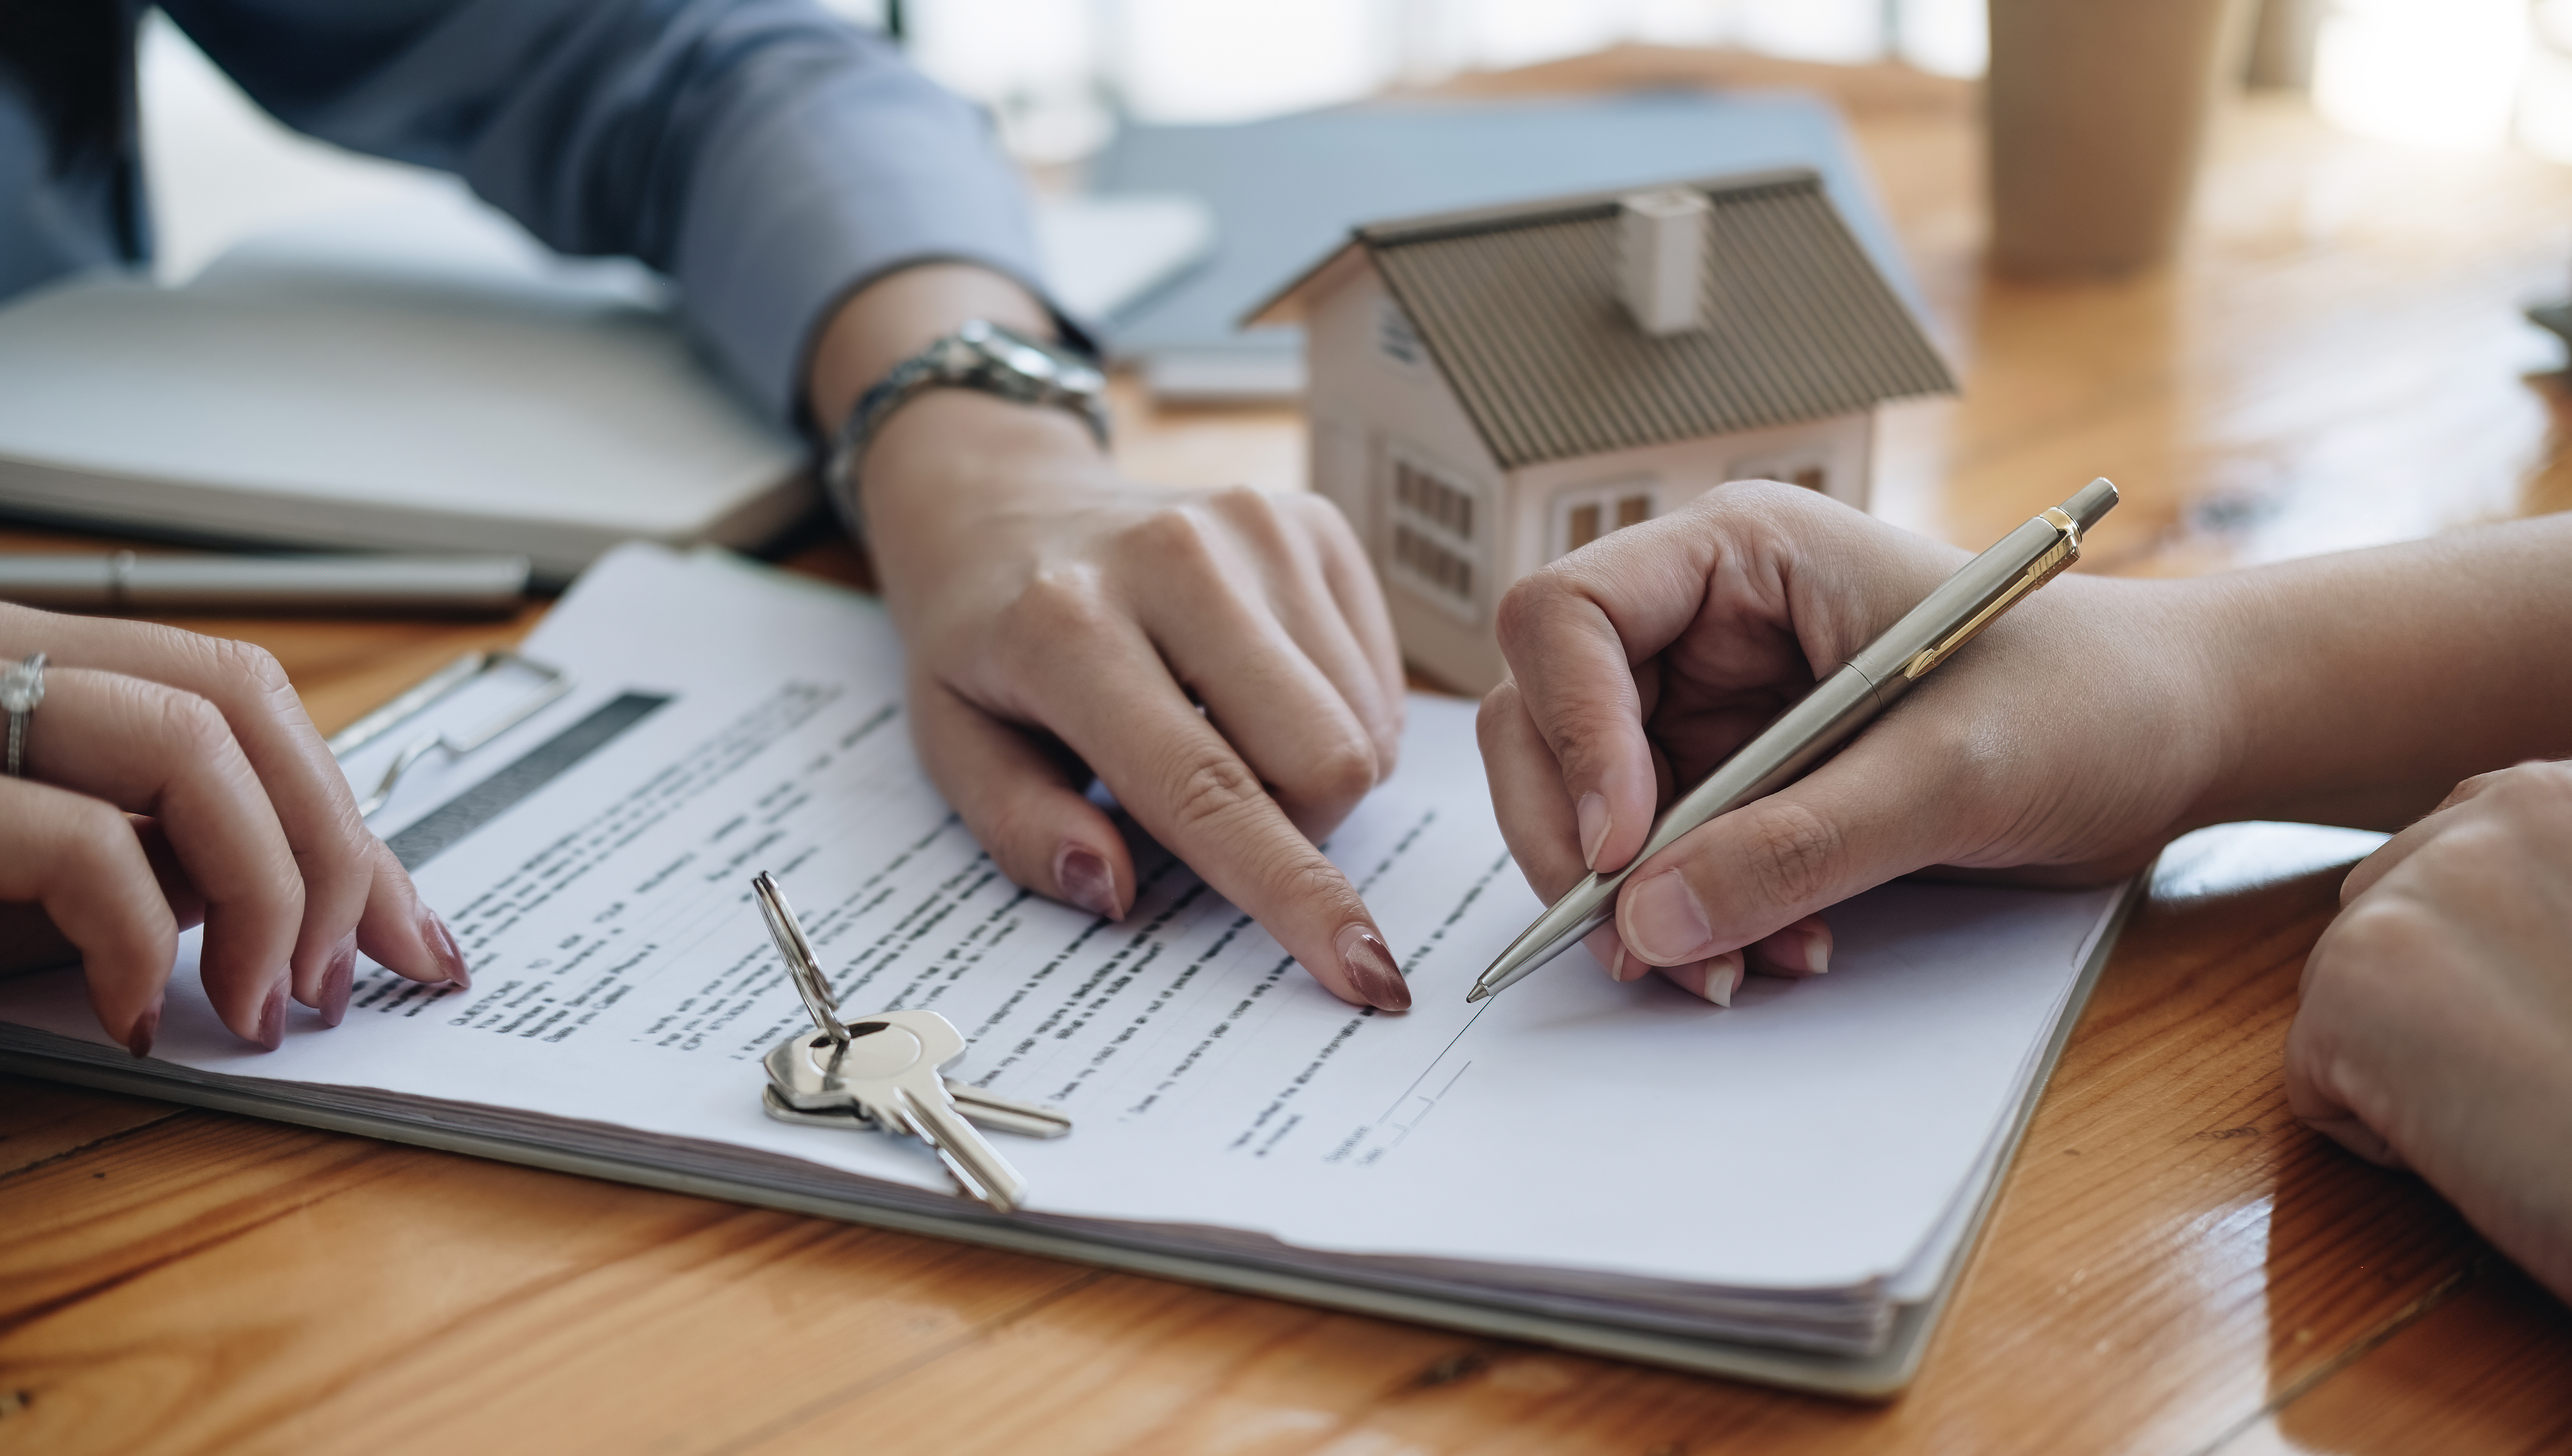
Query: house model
(1492, 389)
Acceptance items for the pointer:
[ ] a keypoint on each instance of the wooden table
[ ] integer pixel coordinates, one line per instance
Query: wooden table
(2176, 1266)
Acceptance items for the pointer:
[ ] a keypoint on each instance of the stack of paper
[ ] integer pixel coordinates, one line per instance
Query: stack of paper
(1784, 1189)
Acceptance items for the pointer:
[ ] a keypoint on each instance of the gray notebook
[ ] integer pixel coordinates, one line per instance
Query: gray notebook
(1286, 191)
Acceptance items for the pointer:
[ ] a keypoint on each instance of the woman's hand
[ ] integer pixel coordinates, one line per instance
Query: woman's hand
(2072, 735)
(1220, 660)
(2435, 1030)
(172, 778)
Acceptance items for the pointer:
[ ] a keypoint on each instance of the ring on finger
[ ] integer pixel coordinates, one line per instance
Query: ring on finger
(22, 687)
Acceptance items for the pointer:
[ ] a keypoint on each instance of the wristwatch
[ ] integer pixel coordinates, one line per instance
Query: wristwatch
(980, 355)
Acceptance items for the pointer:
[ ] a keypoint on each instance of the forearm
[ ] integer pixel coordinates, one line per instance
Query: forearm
(2360, 688)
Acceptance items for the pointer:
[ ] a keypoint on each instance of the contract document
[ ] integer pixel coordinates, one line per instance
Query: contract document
(1784, 1189)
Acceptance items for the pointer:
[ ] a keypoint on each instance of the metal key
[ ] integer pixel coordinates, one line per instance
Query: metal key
(885, 1072)
(988, 1111)
(888, 1069)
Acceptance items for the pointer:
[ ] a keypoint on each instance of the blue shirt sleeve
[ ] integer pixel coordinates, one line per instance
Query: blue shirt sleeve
(767, 155)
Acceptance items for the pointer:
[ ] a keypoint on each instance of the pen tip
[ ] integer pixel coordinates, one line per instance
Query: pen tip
(1477, 994)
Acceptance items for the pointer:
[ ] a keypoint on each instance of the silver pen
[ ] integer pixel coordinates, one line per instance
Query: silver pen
(1839, 706)
(128, 581)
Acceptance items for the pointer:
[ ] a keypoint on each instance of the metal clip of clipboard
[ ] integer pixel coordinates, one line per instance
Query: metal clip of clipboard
(432, 689)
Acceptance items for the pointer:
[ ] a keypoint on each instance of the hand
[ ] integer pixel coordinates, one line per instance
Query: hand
(2435, 1030)
(2070, 736)
(172, 777)
(1221, 660)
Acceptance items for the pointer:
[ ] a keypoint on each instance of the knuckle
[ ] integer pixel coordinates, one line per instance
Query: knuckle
(1575, 729)
(2377, 945)
(1177, 537)
(1529, 608)
(2380, 922)
(1206, 788)
(2545, 788)
(1244, 505)
(192, 727)
(1789, 853)
(1318, 512)
(1313, 880)
(251, 665)
(94, 836)
(1053, 608)
(1339, 774)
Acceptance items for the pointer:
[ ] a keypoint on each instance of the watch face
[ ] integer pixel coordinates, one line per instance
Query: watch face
(1032, 361)
(1025, 358)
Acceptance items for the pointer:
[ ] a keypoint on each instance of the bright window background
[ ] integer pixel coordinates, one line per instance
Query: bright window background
(2454, 74)
(1058, 71)
(2451, 74)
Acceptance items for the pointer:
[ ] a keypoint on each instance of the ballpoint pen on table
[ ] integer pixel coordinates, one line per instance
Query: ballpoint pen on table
(1839, 706)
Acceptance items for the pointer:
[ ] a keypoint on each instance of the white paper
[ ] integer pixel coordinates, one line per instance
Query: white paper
(1815, 1137)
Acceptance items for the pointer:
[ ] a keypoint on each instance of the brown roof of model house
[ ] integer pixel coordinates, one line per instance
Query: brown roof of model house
(1520, 308)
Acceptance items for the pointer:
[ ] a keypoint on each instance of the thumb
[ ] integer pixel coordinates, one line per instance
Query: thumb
(1859, 820)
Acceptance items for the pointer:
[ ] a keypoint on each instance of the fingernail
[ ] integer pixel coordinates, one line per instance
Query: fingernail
(1723, 977)
(1616, 962)
(339, 980)
(1084, 879)
(441, 945)
(1371, 969)
(1817, 951)
(138, 1038)
(271, 1018)
(1664, 922)
(1593, 827)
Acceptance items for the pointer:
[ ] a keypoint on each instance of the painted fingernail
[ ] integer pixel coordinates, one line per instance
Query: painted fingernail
(1084, 879)
(138, 1037)
(338, 979)
(441, 945)
(272, 1016)
(1817, 951)
(1664, 922)
(1371, 970)
(1593, 827)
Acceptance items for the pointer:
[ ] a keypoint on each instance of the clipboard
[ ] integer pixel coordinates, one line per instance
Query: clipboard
(428, 693)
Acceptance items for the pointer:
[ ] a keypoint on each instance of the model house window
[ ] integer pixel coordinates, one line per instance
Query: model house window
(1395, 335)
(1434, 520)
(1794, 470)
(1583, 516)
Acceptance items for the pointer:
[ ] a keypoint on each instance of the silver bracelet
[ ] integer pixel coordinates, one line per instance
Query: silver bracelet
(22, 687)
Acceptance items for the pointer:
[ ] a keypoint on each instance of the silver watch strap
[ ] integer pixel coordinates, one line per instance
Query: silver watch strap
(978, 355)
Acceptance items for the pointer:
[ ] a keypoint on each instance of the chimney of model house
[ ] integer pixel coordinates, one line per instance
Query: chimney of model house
(1662, 273)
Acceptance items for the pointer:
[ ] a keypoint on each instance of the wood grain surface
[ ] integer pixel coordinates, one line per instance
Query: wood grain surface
(2175, 1264)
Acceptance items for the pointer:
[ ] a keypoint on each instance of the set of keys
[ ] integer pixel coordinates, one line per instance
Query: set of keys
(883, 1073)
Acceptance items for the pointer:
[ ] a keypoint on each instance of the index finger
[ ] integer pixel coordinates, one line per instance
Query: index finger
(1571, 633)
(1117, 707)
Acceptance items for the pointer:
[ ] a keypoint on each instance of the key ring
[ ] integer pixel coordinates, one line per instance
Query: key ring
(22, 687)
